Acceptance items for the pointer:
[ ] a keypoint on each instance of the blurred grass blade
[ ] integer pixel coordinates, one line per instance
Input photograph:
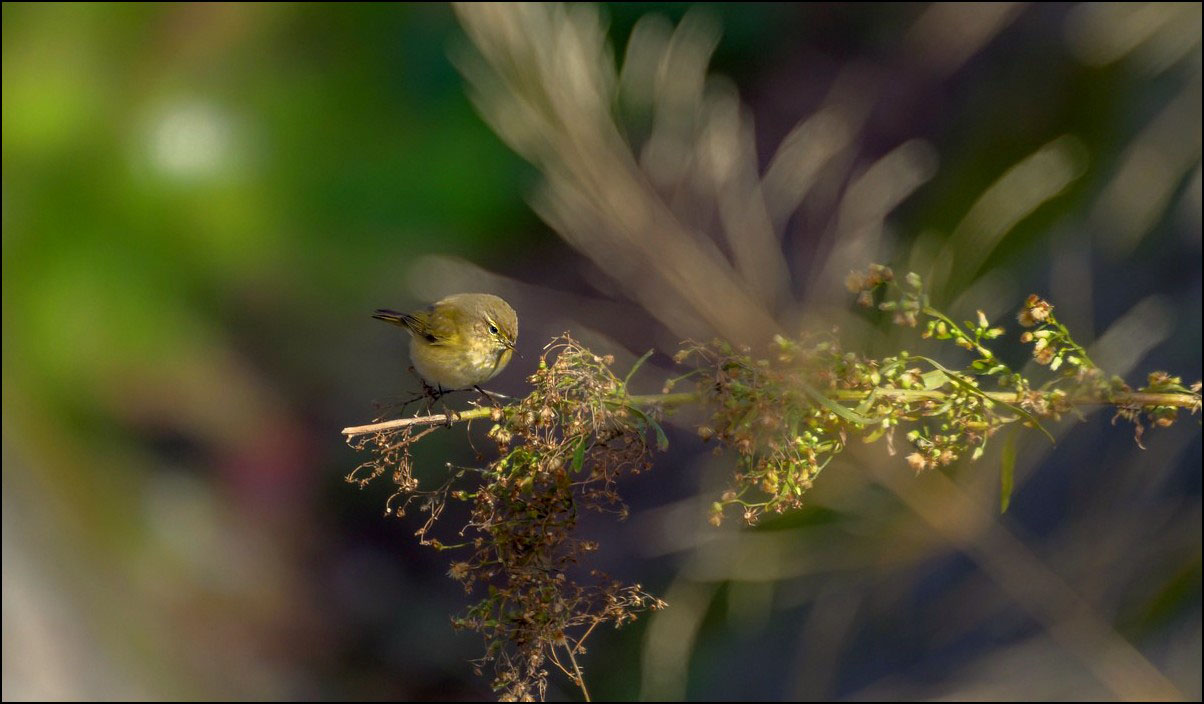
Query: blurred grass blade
(1007, 467)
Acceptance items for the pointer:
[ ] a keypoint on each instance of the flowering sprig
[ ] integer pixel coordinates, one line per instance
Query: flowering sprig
(783, 439)
(1052, 344)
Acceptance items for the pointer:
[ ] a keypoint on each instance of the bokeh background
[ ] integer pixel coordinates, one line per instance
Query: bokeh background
(202, 204)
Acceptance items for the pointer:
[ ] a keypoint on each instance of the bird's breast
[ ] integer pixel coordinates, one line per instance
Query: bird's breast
(457, 368)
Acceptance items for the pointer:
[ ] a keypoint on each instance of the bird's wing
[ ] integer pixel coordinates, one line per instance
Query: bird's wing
(435, 330)
(438, 329)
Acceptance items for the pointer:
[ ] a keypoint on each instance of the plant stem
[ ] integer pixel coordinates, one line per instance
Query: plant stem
(1129, 398)
(417, 420)
(577, 670)
(664, 400)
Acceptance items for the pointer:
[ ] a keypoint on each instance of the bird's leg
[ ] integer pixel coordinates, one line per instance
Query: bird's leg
(402, 406)
(489, 396)
(430, 393)
(401, 403)
(392, 404)
(448, 414)
(427, 394)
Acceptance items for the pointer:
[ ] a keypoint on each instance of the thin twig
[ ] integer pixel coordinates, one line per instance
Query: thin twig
(436, 419)
(580, 678)
(664, 400)
(556, 662)
(588, 631)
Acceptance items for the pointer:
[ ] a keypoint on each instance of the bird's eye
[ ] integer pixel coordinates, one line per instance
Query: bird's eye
(492, 329)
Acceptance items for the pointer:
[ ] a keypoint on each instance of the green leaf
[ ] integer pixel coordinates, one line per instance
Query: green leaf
(662, 442)
(579, 455)
(865, 405)
(934, 379)
(638, 363)
(873, 437)
(959, 381)
(842, 411)
(1007, 467)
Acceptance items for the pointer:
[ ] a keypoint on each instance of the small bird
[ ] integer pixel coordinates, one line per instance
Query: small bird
(461, 341)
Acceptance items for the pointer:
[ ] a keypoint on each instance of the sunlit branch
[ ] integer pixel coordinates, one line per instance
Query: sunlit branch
(1128, 398)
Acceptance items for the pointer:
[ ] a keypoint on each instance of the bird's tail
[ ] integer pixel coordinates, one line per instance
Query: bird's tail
(404, 320)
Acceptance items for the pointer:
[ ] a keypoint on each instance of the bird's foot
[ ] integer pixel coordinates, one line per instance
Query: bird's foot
(490, 397)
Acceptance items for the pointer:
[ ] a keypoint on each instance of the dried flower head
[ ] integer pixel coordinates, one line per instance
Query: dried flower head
(1034, 312)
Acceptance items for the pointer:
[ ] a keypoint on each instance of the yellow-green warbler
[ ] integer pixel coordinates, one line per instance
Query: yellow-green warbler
(461, 341)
